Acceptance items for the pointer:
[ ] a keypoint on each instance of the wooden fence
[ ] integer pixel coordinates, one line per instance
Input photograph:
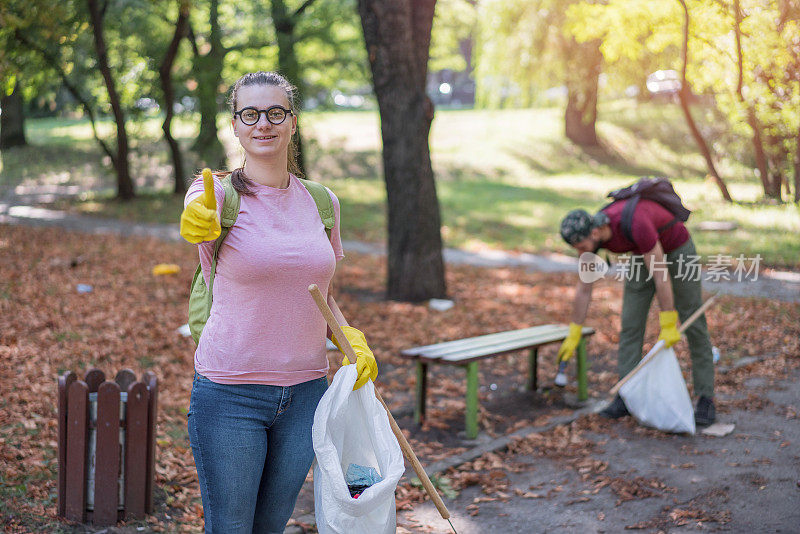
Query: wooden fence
(106, 446)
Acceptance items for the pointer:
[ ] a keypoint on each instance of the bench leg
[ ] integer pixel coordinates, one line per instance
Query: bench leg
(472, 400)
(422, 389)
(583, 391)
(533, 362)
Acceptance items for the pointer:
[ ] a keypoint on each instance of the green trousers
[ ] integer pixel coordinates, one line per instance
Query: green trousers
(686, 291)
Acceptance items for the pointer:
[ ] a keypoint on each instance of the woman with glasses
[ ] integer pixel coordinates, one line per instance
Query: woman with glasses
(260, 363)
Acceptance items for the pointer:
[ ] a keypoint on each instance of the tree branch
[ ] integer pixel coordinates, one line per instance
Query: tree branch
(248, 45)
(190, 35)
(56, 65)
(181, 26)
(301, 9)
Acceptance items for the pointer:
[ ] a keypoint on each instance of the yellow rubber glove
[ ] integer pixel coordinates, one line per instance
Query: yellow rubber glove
(570, 343)
(669, 327)
(200, 220)
(365, 361)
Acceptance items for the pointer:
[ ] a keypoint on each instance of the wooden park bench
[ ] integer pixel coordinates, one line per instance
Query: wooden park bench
(468, 352)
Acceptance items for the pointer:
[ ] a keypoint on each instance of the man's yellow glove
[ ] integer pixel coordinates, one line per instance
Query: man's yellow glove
(199, 220)
(570, 343)
(669, 327)
(365, 361)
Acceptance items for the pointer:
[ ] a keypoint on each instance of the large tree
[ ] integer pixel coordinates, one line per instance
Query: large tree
(22, 73)
(209, 58)
(319, 48)
(740, 56)
(526, 49)
(752, 118)
(767, 89)
(285, 22)
(12, 120)
(223, 29)
(69, 40)
(15, 63)
(168, 91)
(582, 66)
(121, 160)
(397, 36)
(683, 96)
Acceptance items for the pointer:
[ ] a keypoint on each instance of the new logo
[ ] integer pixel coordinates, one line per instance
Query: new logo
(591, 267)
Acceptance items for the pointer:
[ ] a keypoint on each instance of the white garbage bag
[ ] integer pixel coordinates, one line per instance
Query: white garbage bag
(657, 396)
(352, 427)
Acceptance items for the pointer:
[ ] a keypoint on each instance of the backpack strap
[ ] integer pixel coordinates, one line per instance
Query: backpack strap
(230, 211)
(230, 206)
(626, 220)
(324, 203)
(662, 229)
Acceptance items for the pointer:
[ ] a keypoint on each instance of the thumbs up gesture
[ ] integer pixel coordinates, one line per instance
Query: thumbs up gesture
(199, 220)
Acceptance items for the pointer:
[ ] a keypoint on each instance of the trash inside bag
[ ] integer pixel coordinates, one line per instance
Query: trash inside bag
(354, 446)
(359, 478)
(657, 396)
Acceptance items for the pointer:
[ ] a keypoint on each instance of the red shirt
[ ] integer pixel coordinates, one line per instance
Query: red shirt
(648, 217)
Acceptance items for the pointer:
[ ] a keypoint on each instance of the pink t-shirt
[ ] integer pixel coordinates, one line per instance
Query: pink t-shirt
(264, 326)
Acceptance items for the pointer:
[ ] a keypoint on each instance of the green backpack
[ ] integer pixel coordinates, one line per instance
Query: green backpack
(201, 295)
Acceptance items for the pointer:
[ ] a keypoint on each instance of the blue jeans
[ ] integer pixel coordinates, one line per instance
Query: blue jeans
(252, 448)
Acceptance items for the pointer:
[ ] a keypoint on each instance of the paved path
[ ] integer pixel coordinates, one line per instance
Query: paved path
(21, 210)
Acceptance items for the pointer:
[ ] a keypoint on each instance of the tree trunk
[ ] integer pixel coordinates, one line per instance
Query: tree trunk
(776, 160)
(12, 120)
(165, 76)
(397, 35)
(208, 69)
(288, 65)
(582, 77)
(125, 189)
(683, 96)
(761, 158)
(752, 119)
(701, 143)
(797, 167)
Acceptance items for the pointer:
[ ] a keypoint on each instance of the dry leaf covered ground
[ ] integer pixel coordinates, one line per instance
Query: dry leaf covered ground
(599, 476)
(130, 317)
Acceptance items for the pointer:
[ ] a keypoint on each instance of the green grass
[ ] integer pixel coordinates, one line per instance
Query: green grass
(149, 206)
(504, 177)
(68, 335)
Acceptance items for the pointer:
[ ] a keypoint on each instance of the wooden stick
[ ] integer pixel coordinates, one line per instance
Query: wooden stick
(408, 452)
(652, 354)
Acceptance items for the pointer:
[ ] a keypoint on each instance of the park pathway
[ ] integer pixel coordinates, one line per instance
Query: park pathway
(22, 210)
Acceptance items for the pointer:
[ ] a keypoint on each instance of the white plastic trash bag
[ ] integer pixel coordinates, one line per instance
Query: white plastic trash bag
(657, 396)
(352, 428)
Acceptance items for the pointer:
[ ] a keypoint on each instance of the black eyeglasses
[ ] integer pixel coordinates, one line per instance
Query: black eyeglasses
(275, 114)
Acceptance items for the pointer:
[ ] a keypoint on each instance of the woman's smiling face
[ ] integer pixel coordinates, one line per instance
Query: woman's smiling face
(263, 139)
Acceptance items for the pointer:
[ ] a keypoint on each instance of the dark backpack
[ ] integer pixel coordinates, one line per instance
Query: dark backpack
(653, 188)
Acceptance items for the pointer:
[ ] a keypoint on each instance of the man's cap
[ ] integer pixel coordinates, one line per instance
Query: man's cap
(578, 224)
